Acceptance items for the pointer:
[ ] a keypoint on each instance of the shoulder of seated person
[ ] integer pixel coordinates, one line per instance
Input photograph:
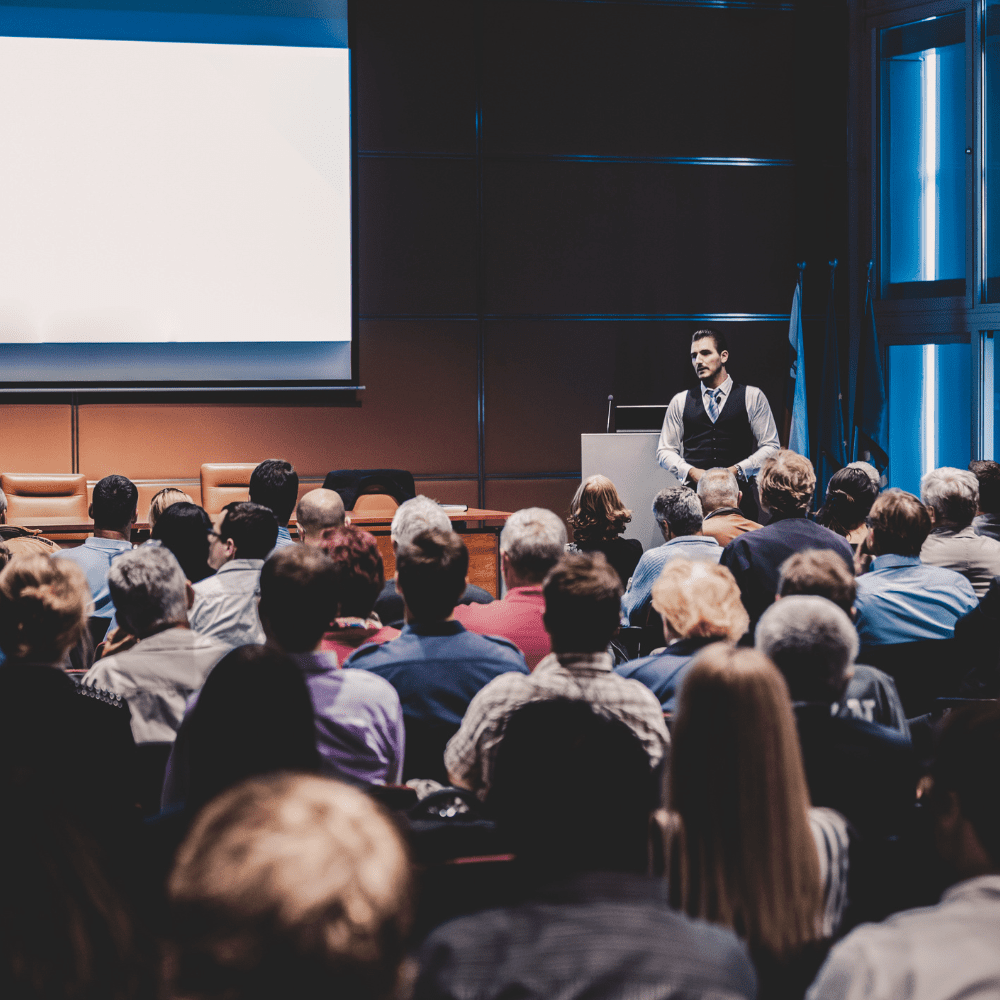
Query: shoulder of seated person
(362, 651)
(499, 640)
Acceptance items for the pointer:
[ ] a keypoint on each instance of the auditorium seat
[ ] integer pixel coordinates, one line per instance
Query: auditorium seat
(225, 482)
(352, 484)
(375, 505)
(43, 495)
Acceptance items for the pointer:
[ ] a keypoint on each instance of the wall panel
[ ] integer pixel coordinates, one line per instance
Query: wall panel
(36, 438)
(514, 494)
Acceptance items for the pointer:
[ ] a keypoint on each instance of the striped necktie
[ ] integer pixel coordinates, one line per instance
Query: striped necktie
(712, 404)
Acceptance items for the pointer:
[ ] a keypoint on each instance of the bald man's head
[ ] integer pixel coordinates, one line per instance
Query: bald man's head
(317, 511)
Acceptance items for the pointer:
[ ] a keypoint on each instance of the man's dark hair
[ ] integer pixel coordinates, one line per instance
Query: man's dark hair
(988, 474)
(719, 339)
(275, 484)
(252, 527)
(298, 596)
(582, 603)
(900, 523)
(430, 574)
(680, 509)
(114, 503)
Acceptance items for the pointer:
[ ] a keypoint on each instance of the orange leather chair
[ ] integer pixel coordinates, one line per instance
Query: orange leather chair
(225, 482)
(375, 505)
(62, 496)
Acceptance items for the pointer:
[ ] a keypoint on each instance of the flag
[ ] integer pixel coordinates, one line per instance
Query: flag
(831, 443)
(871, 416)
(798, 427)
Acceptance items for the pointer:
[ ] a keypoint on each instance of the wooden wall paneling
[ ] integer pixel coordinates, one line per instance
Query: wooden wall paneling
(36, 438)
(450, 490)
(515, 494)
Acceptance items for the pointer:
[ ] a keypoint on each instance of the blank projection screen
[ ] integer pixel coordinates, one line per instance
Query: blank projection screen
(175, 196)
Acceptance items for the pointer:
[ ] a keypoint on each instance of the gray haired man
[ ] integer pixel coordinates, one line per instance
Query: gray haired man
(170, 661)
(720, 497)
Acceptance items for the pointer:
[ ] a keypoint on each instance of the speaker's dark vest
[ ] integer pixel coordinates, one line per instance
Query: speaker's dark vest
(728, 441)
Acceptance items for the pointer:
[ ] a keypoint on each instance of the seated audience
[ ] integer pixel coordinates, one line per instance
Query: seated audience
(360, 575)
(699, 604)
(169, 662)
(787, 483)
(573, 791)
(952, 498)
(949, 950)
(849, 496)
(289, 886)
(436, 665)
(114, 512)
(678, 514)
(987, 519)
(225, 605)
(866, 467)
(864, 770)
(902, 598)
(162, 500)
(531, 543)
(598, 518)
(359, 721)
(318, 512)
(743, 847)
(720, 497)
(581, 616)
(184, 529)
(275, 484)
(413, 517)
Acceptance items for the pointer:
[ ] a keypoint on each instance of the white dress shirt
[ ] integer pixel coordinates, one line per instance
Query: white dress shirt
(670, 449)
(225, 605)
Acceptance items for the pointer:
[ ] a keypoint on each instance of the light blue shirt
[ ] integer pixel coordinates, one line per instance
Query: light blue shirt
(284, 538)
(94, 557)
(901, 599)
(698, 548)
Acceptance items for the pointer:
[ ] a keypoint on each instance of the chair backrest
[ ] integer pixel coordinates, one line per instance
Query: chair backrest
(374, 504)
(353, 483)
(225, 482)
(40, 495)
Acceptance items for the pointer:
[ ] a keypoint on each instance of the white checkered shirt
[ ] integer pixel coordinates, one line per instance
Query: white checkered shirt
(578, 676)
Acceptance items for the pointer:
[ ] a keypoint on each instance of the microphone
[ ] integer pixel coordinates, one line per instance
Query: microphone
(611, 400)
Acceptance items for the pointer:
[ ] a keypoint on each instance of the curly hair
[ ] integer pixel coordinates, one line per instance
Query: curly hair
(700, 599)
(787, 482)
(597, 513)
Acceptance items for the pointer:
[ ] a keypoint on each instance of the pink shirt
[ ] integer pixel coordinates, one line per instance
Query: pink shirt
(518, 617)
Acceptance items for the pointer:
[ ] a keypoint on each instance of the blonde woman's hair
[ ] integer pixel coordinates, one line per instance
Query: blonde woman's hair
(699, 599)
(597, 513)
(739, 848)
(787, 482)
(44, 606)
(162, 500)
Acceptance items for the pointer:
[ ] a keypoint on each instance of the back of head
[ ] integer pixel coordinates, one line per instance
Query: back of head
(415, 516)
(787, 482)
(298, 597)
(254, 716)
(430, 573)
(743, 855)
(821, 573)
(717, 488)
(573, 789)
(44, 605)
(582, 603)
(114, 503)
(162, 500)
(849, 497)
(813, 643)
(900, 524)
(289, 886)
(679, 509)
(866, 467)
(149, 589)
(533, 540)
(183, 528)
(252, 527)
(359, 571)
(953, 494)
(987, 474)
(700, 600)
(317, 511)
(597, 513)
(275, 484)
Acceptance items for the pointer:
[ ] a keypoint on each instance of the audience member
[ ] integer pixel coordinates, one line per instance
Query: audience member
(436, 665)
(114, 512)
(873, 474)
(225, 605)
(411, 519)
(699, 604)
(573, 790)
(678, 514)
(720, 497)
(360, 575)
(952, 498)
(170, 662)
(787, 483)
(581, 594)
(849, 497)
(289, 886)
(902, 598)
(987, 519)
(531, 543)
(359, 721)
(318, 512)
(949, 950)
(275, 484)
(743, 847)
(864, 770)
(184, 528)
(162, 500)
(598, 518)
